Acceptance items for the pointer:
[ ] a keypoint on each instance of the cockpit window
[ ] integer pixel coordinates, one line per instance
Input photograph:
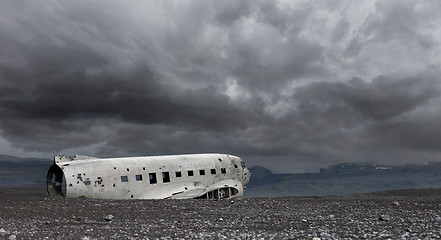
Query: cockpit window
(243, 164)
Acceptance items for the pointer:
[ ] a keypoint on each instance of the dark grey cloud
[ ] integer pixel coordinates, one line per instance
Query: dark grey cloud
(380, 99)
(292, 86)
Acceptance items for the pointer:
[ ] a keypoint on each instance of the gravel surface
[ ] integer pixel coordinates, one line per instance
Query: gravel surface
(410, 214)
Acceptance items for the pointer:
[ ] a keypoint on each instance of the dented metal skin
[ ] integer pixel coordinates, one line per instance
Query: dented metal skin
(205, 176)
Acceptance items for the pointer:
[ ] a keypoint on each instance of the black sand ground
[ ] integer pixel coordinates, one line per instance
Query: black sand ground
(408, 214)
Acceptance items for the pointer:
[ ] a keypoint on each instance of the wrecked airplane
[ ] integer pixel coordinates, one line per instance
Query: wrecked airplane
(201, 176)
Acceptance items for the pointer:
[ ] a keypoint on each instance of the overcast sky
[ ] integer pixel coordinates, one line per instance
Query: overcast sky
(289, 85)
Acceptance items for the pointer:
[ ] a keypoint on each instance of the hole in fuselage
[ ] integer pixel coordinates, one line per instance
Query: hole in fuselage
(221, 193)
(55, 182)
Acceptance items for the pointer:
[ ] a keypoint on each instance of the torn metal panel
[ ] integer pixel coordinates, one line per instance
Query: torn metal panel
(208, 176)
(230, 188)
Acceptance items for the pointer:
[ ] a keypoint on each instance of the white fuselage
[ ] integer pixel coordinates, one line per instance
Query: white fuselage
(155, 177)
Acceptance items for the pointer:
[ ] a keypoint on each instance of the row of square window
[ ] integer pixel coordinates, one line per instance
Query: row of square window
(166, 175)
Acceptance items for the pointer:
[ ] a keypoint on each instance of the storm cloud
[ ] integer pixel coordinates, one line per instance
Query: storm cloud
(292, 86)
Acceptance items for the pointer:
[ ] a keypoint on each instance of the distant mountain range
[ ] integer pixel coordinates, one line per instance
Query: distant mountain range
(344, 178)
(15, 171)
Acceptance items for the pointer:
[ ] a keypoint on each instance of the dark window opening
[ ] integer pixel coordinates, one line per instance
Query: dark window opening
(127, 169)
(213, 171)
(138, 177)
(223, 170)
(114, 185)
(220, 160)
(143, 168)
(190, 173)
(235, 165)
(152, 178)
(178, 174)
(243, 164)
(202, 172)
(124, 179)
(165, 177)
